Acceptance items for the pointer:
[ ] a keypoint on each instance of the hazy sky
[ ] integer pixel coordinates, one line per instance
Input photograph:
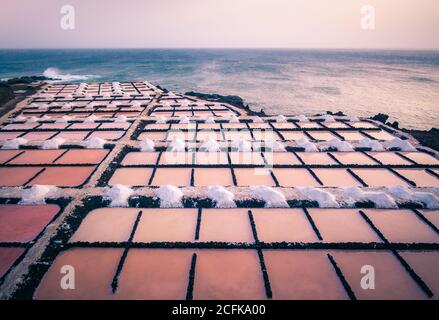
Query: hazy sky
(219, 23)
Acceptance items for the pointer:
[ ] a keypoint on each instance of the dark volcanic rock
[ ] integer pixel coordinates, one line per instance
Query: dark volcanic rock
(233, 100)
(25, 80)
(428, 138)
(6, 93)
(381, 117)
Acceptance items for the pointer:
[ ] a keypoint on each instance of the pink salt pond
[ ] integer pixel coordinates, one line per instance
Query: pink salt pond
(22, 223)
(63, 176)
(389, 158)
(322, 135)
(209, 176)
(336, 177)
(73, 135)
(293, 135)
(342, 225)
(155, 136)
(106, 225)
(131, 176)
(171, 158)
(6, 155)
(354, 158)
(253, 176)
(9, 135)
(166, 225)
(421, 177)
(84, 126)
(94, 273)
(37, 157)
(278, 225)
(17, 176)
(155, 274)
(211, 158)
(228, 274)
(180, 177)
(402, 226)
(321, 158)
(392, 281)
(432, 216)
(209, 135)
(82, 156)
(225, 225)
(425, 264)
(140, 158)
(248, 158)
(351, 135)
(302, 274)
(294, 177)
(281, 158)
(7, 258)
(107, 135)
(379, 177)
(39, 135)
(421, 158)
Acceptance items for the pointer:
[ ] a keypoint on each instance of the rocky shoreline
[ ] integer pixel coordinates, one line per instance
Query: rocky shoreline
(428, 138)
(15, 89)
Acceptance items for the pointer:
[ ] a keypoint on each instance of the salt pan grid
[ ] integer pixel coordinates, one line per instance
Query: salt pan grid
(198, 251)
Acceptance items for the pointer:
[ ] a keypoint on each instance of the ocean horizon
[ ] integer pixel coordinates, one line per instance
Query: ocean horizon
(360, 82)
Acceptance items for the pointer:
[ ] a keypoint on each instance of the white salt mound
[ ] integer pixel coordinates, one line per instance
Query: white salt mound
(322, 197)
(242, 145)
(274, 145)
(307, 145)
(281, 118)
(63, 119)
(54, 143)
(381, 199)
(170, 196)
(374, 145)
(339, 145)
(210, 146)
(301, 118)
(223, 198)
(119, 195)
(121, 119)
(233, 119)
(351, 118)
(95, 143)
(160, 119)
(32, 119)
(210, 120)
(184, 120)
(13, 144)
(37, 194)
(146, 145)
(177, 145)
(403, 145)
(90, 119)
(20, 118)
(429, 200)
(327, 118)
(273, 198)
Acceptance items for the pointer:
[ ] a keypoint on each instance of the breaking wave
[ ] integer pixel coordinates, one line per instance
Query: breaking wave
(56, 74)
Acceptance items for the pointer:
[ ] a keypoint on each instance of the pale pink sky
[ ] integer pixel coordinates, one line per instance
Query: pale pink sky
(219, 23)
